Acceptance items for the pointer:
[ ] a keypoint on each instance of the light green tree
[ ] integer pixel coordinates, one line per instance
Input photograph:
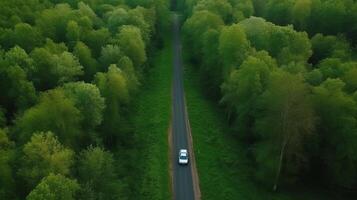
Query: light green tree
(130, 74)
(219, 7)
(195, 26)
(233, 47)
(44, 155)
(301, 12)
(132, 44)
(54, 112)
(85, 57)
(72, 31)
(55, 187)
(113, 87)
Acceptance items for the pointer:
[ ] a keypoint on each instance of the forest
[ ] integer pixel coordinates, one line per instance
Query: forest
(285, 74)
(69, 72)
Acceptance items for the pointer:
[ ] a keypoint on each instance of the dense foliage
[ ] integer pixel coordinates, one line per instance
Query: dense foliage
(69, 72)
(286, 72)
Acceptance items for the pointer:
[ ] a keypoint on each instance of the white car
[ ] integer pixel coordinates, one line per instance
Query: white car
(183, 157)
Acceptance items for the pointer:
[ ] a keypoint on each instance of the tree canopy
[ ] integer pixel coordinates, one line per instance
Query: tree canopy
(286, 76)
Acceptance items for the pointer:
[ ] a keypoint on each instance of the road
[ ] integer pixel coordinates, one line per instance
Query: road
(183, 185)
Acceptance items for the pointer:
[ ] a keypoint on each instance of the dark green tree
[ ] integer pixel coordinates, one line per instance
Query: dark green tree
(87, 99)
(337, 128)
(284, 120)
(97, 174)
(7, 157)
(242, 91)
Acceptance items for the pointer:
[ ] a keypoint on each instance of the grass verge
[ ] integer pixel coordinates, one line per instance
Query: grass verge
(223, 167)
(151, 123)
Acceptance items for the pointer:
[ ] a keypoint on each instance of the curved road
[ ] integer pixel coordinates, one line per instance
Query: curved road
(183, 187)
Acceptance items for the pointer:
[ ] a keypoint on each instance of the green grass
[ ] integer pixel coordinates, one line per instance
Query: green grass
(153, 109)
(223, 167)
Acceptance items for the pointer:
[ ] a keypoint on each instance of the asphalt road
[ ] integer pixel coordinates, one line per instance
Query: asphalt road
(182, 174)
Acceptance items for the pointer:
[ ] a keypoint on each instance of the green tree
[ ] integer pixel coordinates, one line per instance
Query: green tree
(242, 9)
(96, 39)
(53, 22)
(132, 44)
(294, 46)
(329, 47)
(136, 17)
(18, 56)
(54, 68)
(285, 118)
(337, 131)
(279, 11)
(18, 93)
(2, 117)
(86, 10)
(301, 13)
(335, 13)
(113, 87)
(97, 173)
(85, 57)
(349, 76)
(283, 43)
(110, 54)
(314, 77)
(87, 99)
(331, 68)
(55, 187)
(243, 88)
(73, 31)
(7, 156)
(127, 66)
(144, 19)
(259, 7)
(219, 7)
(23, 35)
(258, 32)
(195, 26)
(233, 47)
(44, 155)
(54, 112)
(211, 70)
(117, 18)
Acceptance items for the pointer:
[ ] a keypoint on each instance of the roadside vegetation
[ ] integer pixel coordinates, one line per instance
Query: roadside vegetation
(153, 108)
(71, 76)
(284, 76)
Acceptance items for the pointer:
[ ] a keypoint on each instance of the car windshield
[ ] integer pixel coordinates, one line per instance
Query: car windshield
(183, 156)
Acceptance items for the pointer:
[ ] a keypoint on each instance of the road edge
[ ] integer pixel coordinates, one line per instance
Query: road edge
(171, 175)
(194, 171)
